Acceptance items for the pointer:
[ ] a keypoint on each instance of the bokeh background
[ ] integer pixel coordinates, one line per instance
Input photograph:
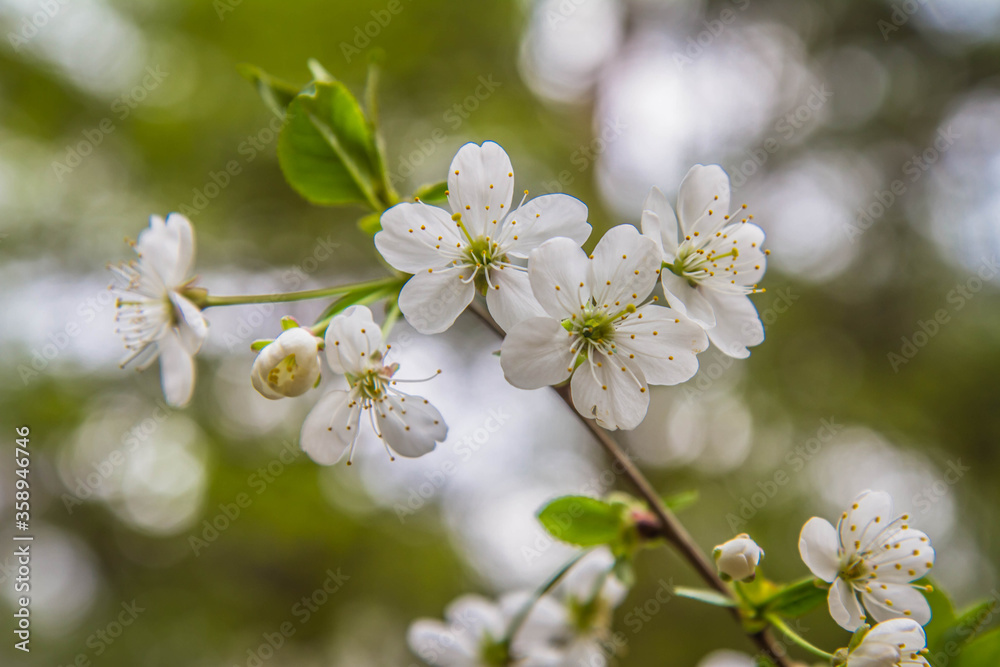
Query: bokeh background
(110, 111)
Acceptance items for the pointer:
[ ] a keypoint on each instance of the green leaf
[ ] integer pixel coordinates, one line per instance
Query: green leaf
(582, 521)
(705, 595)
(680, 501)
(326, 148)
(965, 628)
(982, 652)
(276, 93)
(942, 613)
(259, 345)
(368, 295)
(797, 599)
(432, 192)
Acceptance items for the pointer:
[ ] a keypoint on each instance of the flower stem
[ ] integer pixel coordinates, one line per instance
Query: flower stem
(208, 300)
(670, 527)
(522, 615)
(795, 638)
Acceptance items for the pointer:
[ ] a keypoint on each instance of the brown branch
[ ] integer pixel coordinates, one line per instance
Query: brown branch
(670, 527)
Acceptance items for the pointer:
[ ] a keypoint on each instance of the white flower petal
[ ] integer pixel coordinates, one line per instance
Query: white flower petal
(432, 301)
(191, 324)
(844, 607)
(874, 654)
(353, 341)
(861, 525)
(819, 548)
(687, 298)
(544, 218)
(185, 248)
(896, 632)
(558, 270)
(167, 247)
(275, 378)
(659, 222)
(331, 427)
(417, 237)
(751, 263)
(439, 644)
(737, 324)
(662, 343)
(480, 185)
(476, 615)
(624, 268)
(511, 300)
(410, 425)
(610, 390)
(704, 189)
(904, 555)
(536, 353)
(176, 370)
(888, 600)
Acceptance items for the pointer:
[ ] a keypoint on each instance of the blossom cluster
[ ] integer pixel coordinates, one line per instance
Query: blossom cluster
(590, 319)
(566, 627)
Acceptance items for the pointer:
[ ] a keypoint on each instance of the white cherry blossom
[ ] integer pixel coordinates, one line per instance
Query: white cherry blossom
(899, 642)
(408, 425)
(872, 554)
(452, 255)
(599, 329)
(738, 558)
(712, 260)
(288, 366)
(475, 632)
(154, 319)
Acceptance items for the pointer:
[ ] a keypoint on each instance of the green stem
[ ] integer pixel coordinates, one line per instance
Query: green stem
(392, 314)
(319, 328)
(522, 615)
(795, 638)
(670, 527)
(208, 301)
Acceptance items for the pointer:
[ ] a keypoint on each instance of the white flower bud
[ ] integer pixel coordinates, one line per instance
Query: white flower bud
(738, 558)
(289, 366)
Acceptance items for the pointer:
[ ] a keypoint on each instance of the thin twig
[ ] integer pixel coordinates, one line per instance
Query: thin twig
(672, 529)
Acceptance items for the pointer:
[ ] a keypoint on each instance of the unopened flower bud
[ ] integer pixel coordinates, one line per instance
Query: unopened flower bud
(289, 366)
(738, 558)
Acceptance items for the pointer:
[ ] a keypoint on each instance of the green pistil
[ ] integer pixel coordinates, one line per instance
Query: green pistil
(481, 253)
